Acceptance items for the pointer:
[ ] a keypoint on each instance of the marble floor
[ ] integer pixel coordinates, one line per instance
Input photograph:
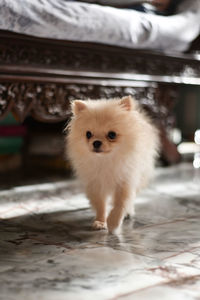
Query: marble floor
(49, 252)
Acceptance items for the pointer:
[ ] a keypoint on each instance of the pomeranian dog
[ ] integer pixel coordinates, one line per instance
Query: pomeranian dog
(112, 146)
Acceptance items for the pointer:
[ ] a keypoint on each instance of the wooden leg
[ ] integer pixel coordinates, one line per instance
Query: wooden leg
(166, 97)
(169, 152)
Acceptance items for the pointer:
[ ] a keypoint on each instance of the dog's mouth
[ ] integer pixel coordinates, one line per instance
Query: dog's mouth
(101, 151)
(97, 150)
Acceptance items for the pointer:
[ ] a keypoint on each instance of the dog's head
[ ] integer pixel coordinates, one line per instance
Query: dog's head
(102, 126)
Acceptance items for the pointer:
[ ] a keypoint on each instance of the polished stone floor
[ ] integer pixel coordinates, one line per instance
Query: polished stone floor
(49, 252)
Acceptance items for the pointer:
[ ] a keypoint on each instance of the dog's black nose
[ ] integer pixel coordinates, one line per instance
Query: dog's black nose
(97, 144)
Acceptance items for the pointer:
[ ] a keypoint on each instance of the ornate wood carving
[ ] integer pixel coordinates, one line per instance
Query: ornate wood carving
(49, 102)
(93, 57)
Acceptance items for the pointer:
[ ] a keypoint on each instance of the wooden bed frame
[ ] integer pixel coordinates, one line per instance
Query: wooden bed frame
(39, 77)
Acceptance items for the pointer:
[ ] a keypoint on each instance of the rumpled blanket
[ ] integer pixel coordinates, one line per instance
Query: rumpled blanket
(77, 21)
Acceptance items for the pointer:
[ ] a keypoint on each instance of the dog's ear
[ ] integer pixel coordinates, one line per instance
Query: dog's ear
(128, 103)
(78, 106)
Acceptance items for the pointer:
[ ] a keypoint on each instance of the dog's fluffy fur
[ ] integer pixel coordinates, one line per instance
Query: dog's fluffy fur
(121, 164)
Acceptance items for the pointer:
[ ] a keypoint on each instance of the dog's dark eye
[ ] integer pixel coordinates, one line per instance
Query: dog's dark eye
(111, 135)
(88, 134)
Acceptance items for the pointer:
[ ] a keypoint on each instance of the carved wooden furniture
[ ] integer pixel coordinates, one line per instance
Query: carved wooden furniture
(39, 77)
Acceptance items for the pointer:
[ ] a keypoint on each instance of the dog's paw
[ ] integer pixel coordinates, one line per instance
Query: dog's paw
(115, 230)
(113, 226)
(98, 225)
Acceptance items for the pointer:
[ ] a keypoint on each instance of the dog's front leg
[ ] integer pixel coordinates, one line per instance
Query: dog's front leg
(121, 203)
(98, 202)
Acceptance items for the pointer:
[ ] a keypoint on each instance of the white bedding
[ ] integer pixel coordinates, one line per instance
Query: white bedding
(75, 21)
